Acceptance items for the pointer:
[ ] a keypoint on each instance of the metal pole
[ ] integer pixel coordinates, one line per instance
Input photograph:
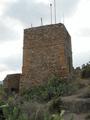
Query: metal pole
(55, 10)
(41, 22)
(51, 12)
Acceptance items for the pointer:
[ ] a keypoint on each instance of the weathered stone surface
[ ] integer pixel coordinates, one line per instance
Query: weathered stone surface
(47, 51)
(79, 102)
(76, 105)
(11, 83)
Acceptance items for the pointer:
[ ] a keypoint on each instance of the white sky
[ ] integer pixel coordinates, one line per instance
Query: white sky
(19, 14)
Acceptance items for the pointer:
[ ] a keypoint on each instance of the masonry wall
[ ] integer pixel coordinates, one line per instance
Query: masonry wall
(11, 83)
(47, 51)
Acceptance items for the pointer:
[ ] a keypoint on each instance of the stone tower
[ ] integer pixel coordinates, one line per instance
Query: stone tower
(47, 51)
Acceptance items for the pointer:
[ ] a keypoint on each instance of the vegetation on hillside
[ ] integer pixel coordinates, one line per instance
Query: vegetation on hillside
(38, 103)
(85, 71)
(55, 88)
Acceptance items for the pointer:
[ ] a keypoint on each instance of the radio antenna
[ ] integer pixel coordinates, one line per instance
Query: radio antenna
(55, 10)
(41, 21)
(51, 12)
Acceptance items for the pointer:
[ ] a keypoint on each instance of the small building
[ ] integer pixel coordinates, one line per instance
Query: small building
(47, 51)
(11, 83)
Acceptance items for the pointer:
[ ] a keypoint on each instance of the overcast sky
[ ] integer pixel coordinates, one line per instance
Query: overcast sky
(16, 15)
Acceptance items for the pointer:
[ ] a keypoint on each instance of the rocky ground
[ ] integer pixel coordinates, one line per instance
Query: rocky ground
(78, 105)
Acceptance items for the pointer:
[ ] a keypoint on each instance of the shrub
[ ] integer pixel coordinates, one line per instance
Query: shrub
(14, 113)
(2, 93)
(86, 71)
(12, 110)
(55, 105)
(54, 88)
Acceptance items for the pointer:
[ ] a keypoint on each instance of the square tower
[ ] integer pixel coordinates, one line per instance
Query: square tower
(47, 51)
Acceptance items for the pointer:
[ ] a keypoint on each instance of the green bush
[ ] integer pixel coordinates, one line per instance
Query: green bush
(86, 71)
(55, 106)
(14, 113)
(12, 110)
(2, 93)
(54, 88)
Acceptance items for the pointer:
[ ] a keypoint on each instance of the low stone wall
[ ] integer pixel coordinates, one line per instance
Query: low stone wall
(11, 83)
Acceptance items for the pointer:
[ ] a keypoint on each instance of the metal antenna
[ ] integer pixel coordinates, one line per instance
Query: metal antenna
(51, 12)
(63, 15)
(55, 10)
(41, 21)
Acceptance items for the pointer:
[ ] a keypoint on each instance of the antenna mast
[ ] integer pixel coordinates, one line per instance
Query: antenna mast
(41, 21)
(55, 10)
(51, 12)
(63, 15)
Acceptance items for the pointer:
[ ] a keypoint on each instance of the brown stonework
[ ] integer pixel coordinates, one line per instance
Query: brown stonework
(47, 51)
(11, 83)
